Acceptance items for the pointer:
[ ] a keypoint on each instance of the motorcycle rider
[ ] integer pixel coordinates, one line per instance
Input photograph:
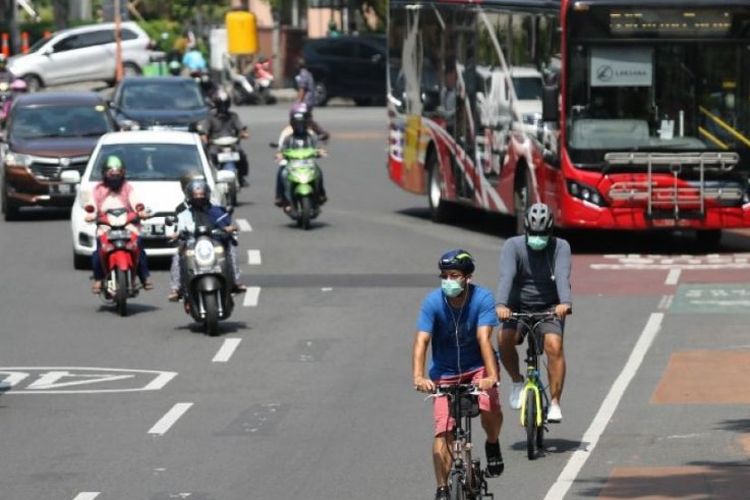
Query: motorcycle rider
(175, 67)
(224, 122)
(305, 84)
(297, 135)
(114, 191)
(197, 210)
(18, 86)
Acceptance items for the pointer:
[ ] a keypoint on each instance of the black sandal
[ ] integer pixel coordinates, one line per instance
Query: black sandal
(495, 465)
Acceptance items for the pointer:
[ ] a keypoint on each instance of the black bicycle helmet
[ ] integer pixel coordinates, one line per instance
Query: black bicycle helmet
(539, 219)
(457, 259)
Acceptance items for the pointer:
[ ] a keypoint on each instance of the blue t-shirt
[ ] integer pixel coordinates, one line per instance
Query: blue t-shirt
(446, 325)
(193, 60)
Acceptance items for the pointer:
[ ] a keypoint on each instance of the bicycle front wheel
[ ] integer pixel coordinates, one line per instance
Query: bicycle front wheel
(457, 490)
(531, 427)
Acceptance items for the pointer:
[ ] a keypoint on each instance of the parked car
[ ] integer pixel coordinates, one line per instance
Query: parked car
(348, 66)
(154, 163)
(159, 102)
(82, 54)
(47, 134)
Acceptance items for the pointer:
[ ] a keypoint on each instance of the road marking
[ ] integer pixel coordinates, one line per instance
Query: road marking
(665, 302)
(609, 405)
(244, 225)
(673, 277)
(251, 296)
(162, 426)
(253, 257)
(87, 495)
(226, 350)
(75, 379)
(672, 262)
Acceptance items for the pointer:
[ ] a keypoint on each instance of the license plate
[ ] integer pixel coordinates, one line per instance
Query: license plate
(155, 229)
(61, 189)
(228, 156)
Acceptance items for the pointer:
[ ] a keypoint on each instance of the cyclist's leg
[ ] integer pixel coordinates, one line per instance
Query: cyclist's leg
(553, 348)
(441, 446)
(508, 339)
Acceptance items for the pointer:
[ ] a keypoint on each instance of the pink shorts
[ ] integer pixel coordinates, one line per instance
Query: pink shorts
(490, 401)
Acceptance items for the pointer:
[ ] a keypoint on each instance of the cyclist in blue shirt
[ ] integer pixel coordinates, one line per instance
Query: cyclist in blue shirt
(458, 319)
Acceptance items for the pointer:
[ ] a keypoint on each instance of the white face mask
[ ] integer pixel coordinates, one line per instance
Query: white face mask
(452, 288)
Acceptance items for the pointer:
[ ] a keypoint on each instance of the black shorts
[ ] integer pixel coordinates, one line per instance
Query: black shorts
(555, 326)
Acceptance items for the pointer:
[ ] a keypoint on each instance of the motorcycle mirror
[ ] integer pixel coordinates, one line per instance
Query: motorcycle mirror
(89, 209)
(273, 145)
(170, 220)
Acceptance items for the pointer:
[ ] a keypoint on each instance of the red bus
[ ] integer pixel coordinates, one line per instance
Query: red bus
(618, 114)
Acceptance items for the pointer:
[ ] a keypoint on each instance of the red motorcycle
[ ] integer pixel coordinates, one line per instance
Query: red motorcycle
(119, 255)
(255, 87)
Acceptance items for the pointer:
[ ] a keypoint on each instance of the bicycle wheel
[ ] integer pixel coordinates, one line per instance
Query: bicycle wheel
(531, 427)
(540, 431)
(457, 490)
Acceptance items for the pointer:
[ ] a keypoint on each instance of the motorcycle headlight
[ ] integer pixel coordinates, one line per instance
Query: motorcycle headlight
(18, 160)
(204, 253)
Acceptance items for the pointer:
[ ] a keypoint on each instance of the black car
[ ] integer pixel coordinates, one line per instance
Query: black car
(348, 66)
(159, 102)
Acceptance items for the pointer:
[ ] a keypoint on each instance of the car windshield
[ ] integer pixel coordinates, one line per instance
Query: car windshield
(528, 88)
(37, 122)
(38, 44)
(151, 162)
(162, 94)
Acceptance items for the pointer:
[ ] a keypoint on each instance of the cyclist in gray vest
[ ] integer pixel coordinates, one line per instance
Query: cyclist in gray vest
(535, 277)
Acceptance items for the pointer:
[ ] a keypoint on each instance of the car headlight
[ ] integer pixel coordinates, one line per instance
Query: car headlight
(18, 160)
(586, 193)
(204, 253)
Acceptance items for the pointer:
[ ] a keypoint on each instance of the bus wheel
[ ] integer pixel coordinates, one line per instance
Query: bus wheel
(522, 200)
(440, 210)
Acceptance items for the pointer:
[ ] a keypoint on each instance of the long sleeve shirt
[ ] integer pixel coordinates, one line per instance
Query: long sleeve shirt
(534, 278)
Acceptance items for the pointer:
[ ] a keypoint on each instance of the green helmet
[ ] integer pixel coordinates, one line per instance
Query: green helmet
(113, 163)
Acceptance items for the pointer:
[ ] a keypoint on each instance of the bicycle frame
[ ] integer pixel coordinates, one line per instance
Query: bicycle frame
(533, 380)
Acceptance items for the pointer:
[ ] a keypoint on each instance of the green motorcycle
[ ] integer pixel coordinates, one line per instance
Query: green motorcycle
(302, 176)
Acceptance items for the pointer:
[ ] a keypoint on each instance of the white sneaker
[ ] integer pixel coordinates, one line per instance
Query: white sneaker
(515, 395)
(554, 414)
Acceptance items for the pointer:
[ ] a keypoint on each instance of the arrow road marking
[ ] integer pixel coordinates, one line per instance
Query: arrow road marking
(162, 426)
(50, 380)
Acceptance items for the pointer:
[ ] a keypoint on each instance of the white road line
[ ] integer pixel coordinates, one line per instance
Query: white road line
(244, 225)
(87, 495)
(673, 277)
(253, 257)
(609, 405)
(226, 350)
(168, 420)
(251, 296)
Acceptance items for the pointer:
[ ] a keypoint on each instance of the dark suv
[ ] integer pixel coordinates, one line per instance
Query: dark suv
(48, 133)
(348, 66)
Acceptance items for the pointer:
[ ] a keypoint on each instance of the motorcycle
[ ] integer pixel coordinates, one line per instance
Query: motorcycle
(254, 88)
(302, 176)
(206, 277)
(119, 254)
(226, 156)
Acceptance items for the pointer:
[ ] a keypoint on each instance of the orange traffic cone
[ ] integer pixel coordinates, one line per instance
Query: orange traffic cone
(5, 48)
(24, 42)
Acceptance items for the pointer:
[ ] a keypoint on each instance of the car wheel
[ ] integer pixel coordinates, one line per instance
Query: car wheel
(321, 93)
(130, 69)
(33, 83)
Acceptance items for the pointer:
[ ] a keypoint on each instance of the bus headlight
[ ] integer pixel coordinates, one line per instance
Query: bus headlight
(586, 193)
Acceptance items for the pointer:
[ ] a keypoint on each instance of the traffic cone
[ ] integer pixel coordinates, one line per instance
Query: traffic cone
(5, 48)
(24, 42)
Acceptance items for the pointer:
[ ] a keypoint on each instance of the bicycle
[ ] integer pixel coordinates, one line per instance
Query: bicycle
(466, 480)
(535, 400)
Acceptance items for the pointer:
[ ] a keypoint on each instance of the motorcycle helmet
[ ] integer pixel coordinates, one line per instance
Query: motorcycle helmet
(538, 220)
(298, 119)
(457, 259)
(19, 85)
(175, 68)
(113, 173)
(198, 193)
(222, 102)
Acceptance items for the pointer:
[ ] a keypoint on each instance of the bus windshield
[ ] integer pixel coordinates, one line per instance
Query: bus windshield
(636, 86)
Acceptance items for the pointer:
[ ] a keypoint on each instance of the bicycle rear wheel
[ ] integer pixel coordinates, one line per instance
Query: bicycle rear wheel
(531, 427)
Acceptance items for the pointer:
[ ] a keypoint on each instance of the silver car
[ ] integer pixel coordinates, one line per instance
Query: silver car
(82, 54)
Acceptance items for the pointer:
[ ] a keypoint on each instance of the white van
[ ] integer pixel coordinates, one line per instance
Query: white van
(82, 54)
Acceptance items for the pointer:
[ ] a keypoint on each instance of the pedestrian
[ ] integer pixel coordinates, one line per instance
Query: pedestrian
(305, 84)
(458, 319)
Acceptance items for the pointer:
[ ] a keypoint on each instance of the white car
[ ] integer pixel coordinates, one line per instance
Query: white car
(154, 163)
(82, 54)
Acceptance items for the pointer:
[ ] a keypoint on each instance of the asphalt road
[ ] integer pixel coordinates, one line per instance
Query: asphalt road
(307, 393)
